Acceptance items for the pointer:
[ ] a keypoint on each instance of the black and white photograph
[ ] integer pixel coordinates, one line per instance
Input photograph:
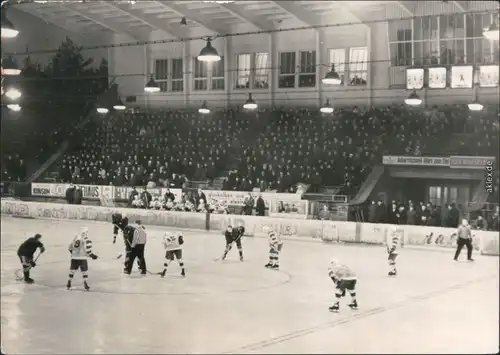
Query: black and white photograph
(462, 77)
(415, 79)
(488, 76)
(437, 78)
(249, 177)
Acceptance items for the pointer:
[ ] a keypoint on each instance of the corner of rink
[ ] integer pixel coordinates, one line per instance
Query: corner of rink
(435, 305)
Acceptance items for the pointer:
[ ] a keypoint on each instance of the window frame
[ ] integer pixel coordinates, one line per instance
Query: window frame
(209, 79)
(163, 82)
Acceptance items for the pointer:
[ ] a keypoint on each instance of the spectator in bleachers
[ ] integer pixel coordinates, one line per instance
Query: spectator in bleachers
(480, 223)
(411, 216)
(248, 204)
(260, 206)
(132, 195)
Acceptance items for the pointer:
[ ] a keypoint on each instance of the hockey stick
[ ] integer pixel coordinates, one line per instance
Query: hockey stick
(230, 247)
(19, 273)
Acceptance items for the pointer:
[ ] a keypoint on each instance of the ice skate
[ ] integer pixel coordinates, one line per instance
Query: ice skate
(241, 258)
(68, 285)
(275, 267)
(269, 265)
(470, 259)
(183, 273)
(334, 308)
(86, 286)
(353, 305)
(392, 273)
(29, 280)
(162, 274)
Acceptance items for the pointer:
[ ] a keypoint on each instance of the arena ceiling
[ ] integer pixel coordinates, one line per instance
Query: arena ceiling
(139, 18)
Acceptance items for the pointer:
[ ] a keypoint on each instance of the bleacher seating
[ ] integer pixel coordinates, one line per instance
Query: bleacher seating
(271, 149)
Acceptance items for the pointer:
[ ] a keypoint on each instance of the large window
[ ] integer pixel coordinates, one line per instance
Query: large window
(161, 73)
(337, 57)
(252, 71)
(358, 65)
(177, 75)
(209, 75)
(307, 73)
(450, 39)
(287, 70)
(200, 74)
(479, 50)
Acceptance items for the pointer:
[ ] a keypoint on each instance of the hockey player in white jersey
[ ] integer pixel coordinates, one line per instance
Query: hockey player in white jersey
(80, 250)
(344, 279)
(173, 245)
(393, 243)
(275, 245)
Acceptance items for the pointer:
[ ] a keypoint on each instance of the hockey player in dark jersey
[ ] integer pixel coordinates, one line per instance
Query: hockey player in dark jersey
(234, 235)
(25, 253)
(120, 223)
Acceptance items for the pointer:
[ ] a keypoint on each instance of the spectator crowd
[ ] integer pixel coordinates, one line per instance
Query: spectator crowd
(273, 149)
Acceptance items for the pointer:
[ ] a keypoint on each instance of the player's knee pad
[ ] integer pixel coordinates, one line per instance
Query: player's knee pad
(71, 272)
(181, 262)
(352, 293)
(338, 295)
(392, 262)
(85, 274)
(167, 262)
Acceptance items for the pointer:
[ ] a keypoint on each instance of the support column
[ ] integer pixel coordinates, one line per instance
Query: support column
(321, 63)
(228, 69)
(147, 70)
(186, 68)
(369, 79)
(274, 63)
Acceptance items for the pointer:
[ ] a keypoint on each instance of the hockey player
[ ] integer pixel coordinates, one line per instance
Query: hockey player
(234, 235)
(136, 237)
(25, 253)
(173, 245)
(393, 242)
(120, 222)
(80, 250)
(275, 245)
(344, 279)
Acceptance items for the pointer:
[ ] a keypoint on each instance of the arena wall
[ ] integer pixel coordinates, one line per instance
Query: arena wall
(329, 231)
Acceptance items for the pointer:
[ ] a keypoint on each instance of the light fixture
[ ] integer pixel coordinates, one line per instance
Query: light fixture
(14, 107)
(327, 108)
(491, 32)
(413, 99)
(209, 53)
(152, 86)
(250, 104)
(13, 93)
(475, 106)
(102, 110)
(332, 78)
(9, 67)
(8, 30)
(204, 108)
(119, 106)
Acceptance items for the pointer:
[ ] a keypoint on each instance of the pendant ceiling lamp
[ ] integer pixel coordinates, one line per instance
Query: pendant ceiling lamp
(327, 108)
(332, 78)
(7, 30)
(9, 67)
(413, 99)
(475, 106)
(152, 86)
(250, 104)
(209, 53)
(204, 108)
(119, 106)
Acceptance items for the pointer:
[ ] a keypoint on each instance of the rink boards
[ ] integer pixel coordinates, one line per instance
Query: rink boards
(330, 231)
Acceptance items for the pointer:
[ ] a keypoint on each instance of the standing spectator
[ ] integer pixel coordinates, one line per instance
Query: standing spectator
(324, 214)
(495, 221)
(481, 224)
(392, 217)
(260, 207)
(169, 195)
(380, 212)
(248, 205)
(452, 216)
(464, 237)
(424, 216)
(145, 198)
(70, 194)
(372, 212)
(411, 216)
(401, 215)
(78, 196)
(201, 196)
(132, 195)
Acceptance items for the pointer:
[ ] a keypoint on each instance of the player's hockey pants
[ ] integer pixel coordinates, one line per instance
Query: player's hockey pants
(460, 244)
(136, 252)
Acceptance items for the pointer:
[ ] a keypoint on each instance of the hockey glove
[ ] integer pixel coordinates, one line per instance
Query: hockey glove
(32, 264)
(93, 256)
(42, 250)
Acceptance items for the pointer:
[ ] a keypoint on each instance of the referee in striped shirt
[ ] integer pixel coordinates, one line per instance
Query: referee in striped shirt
(464, 237)
(138, 244)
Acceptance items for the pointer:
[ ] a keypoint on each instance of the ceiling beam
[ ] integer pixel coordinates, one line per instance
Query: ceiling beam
(149, 20)
(459, 6)
(300, 13)
(260, 24)
(351, 12)
(32, 10)
(115, 27)
(194, 16)
(405, 8)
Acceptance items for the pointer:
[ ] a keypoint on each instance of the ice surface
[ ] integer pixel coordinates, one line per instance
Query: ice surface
(434, 305)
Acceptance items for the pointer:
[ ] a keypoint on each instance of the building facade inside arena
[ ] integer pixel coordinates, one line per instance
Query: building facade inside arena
(299, 172)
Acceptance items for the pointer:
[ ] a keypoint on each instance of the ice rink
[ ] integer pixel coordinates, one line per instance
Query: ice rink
(435, 305)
